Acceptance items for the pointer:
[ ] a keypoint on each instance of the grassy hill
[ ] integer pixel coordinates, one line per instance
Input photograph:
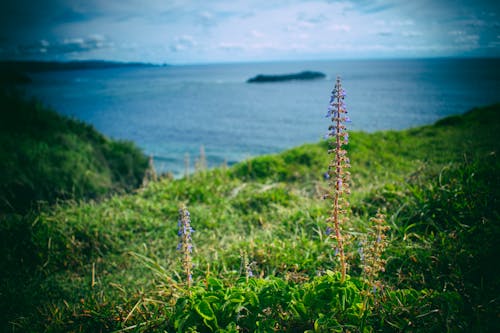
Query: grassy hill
(113, 265)
(47, 157)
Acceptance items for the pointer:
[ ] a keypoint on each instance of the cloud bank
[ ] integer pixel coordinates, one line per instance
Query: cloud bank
(191, 31)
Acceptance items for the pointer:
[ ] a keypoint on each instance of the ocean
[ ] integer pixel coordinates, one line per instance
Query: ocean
(173, 111)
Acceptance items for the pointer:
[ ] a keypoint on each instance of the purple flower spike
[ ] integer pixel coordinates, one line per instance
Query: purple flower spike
(339, 182)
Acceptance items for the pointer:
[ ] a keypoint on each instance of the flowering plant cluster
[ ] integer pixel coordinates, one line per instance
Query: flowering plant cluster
(338, 177)
(338, 174)
(185, 245)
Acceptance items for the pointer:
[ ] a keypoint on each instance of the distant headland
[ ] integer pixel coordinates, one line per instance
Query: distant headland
(305, 75)
(16, 71)
(44, 66)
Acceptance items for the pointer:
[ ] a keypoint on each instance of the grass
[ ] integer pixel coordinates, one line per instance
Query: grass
(48, 157)
(112, 265)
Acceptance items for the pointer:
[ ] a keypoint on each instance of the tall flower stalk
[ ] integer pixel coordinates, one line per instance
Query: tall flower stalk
(337, 173)
(185, 245)
(371, 258)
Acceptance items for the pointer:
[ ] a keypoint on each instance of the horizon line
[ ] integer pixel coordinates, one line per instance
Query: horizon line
(228, 62)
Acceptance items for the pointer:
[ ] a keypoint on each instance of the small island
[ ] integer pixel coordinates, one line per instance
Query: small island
(305, 75)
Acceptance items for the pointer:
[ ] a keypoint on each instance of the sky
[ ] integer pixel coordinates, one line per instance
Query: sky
(207, 31)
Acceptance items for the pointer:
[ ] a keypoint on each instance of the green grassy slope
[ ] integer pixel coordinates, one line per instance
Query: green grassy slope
(112, 265)
(45, 156)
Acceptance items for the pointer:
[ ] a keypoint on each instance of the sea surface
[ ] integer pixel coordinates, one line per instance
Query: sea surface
(173, 111)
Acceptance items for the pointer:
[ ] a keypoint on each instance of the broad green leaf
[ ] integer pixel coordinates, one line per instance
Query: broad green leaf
(214, 284)
(237, 298)
(205, 310)
(211, 299)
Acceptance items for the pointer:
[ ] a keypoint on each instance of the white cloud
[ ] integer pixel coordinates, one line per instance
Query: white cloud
(183, 43)
(261, 46)
(395, 23)
(473, 23)
(256, 33)
(411, 34)
(462, 36)
(384, 33)
(230, 46)
(402, 23)
(340, 27)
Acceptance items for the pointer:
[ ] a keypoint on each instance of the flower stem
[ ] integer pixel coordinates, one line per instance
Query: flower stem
(338, 176)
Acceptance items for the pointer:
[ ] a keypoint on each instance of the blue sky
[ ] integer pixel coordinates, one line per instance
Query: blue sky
(192, 31)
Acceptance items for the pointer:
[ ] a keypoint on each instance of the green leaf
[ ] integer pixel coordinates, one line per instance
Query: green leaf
(205, 310)
(211, 325)
(180, 321)
(212, 299)
(214, 284)
(299, 309)
(253, 299)
(236, 298)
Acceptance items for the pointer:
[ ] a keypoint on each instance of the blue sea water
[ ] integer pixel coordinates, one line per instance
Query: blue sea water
(174, 110)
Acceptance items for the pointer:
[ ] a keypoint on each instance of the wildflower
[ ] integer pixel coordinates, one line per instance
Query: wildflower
(376, 242)
(361, 252)
(246, 265)
(185, 245)
(338, 175)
